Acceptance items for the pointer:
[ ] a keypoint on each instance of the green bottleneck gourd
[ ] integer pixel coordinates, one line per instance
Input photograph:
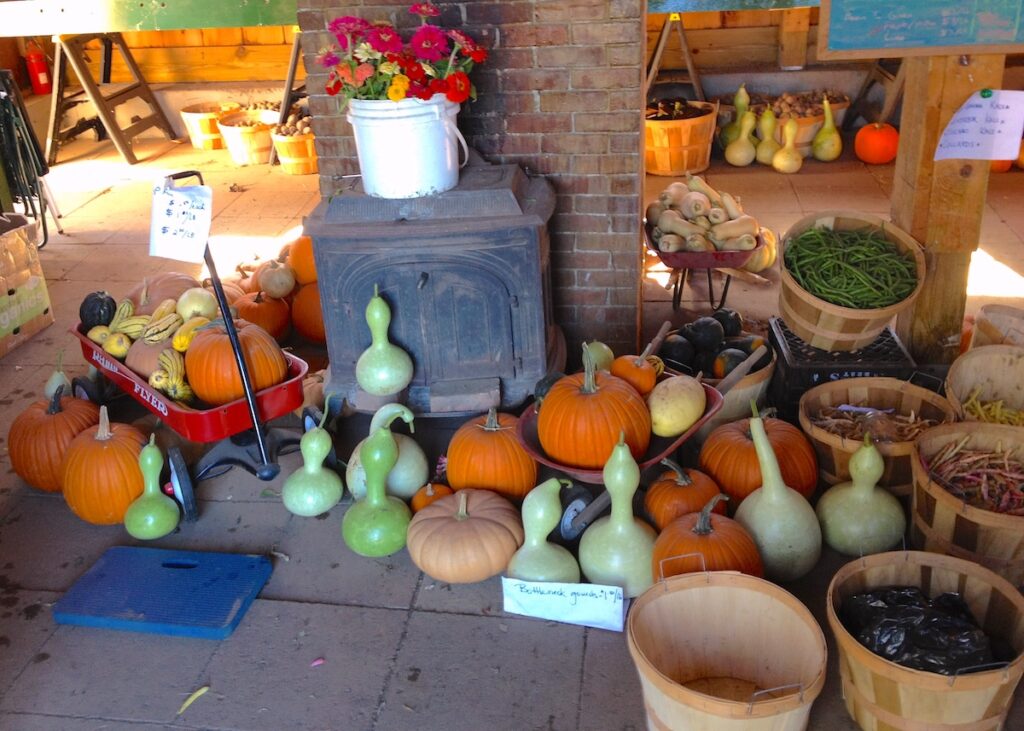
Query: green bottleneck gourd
(383, 369)
(312, 489)
(617, 549)
(409, 474)
(827, 144)
(858, 517)
(768, 145)
(787, 159)
(741, 151)
(537, 559)
(731, 131)
(780, 520)
(377, 525)
(152, 514)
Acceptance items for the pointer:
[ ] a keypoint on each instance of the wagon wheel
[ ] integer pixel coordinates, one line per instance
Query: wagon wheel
(99, 392)
(181, 485)
(574, 500)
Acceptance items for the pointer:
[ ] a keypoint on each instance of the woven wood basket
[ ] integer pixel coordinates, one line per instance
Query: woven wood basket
(881, 695)
(675, 147)
(943, 523)
(834, 451)
(723, 651)
(996, 370)
(831, 327)
(998, 325)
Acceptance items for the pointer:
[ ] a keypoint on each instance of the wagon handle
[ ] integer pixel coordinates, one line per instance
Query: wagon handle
(661, 565)
(1002, 664)
(756, 693)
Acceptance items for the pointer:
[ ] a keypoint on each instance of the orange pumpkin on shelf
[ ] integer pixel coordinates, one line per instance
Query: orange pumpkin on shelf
(300, 259)
(307, 316)
(678, 492)
(427, 494)
(41, 434)
(101, 472)
(876, 143)
(485, 453)
(211, 368)
(729, 458)
(273, 315)
(705, 542)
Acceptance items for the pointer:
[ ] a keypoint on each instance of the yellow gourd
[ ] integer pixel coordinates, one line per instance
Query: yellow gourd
(768, 145)
(827, 144)
(787, 158)
(732, 130)
(741, 152)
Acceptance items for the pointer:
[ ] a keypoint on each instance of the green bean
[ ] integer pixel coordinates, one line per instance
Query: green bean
(858, 269)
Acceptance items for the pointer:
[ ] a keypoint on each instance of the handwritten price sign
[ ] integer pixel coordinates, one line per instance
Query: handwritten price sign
(180, 224)
(987, 126)
(590, 605)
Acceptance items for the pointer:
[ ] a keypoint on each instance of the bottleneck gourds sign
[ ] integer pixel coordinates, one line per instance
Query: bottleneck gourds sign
(874, 29)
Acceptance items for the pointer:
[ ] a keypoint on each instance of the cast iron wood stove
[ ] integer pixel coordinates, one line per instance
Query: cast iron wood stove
(466, 274)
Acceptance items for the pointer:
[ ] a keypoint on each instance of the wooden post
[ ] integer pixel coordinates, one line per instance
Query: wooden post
(939, 203)
(793, 29)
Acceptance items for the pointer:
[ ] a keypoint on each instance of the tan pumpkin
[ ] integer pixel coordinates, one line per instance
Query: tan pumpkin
(275, 279)
(213, 372)
(147, 295)
(40, 435)
(142, 357)
(231, 289)
(101, 473)
(466, 537)
(485, 453)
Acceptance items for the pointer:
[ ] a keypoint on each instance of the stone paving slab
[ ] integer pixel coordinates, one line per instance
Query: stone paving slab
(611, 698)
(483, 597)
(462, 673)
(25, 624)
(37, 722)
(262, 676)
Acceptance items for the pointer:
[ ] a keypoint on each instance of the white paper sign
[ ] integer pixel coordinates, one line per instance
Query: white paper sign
(590, 605)
(987, 127)
(180, 224)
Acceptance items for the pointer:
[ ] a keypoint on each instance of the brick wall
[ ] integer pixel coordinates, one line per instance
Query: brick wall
(560, 96)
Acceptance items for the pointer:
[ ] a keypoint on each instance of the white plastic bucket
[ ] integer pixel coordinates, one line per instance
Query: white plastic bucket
(408, 148)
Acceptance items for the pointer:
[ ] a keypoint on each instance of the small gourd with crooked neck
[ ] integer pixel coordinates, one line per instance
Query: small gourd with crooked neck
(858, 517)
(768, 145)
(537, 559)
(313, 490)
(780, 520)
(731, 131)
(383, 369)
(377, 525)
(152, 514)
(411, 471)
(617, 550)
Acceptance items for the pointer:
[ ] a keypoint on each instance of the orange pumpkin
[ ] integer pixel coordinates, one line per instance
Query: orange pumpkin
(41, 434)
(273, 315)
(427, 494)
(721, 543)
(679, 492)
(877, 143)
(246, 278)
(1000, 166)
(485, 453)
(211, 368)
(101, 471)
(637, 371)
(582, 415)
(729, 457)
(307, 316)
(300, 259)
(148, 295)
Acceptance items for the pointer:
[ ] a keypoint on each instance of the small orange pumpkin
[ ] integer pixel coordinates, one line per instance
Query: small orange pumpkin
(679, 492)
(300, 259)
(213, 372)
(485, 453)
(1000, 166)
(723, 543)
(307, 315)
(427, 494)
(41, 434)
(876, 143)
(637, 371)
(273, 315)
(101, 472)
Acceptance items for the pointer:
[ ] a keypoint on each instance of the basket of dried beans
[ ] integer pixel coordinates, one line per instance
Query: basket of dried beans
(835, 415)
(987, 384)
(968, 497)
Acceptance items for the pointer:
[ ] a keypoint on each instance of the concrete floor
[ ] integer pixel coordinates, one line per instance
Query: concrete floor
(400, 651)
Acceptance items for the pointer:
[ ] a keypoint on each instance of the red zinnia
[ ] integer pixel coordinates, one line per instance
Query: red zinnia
(420, 91)
(437, 86)
(461, 39)
(458, 87)
(479, 55)
(384, 38)
(333, 87)
(429, 43)
(425, 10)
(414, 70)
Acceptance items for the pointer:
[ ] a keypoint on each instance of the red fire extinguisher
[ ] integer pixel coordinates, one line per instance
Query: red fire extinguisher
(38, 71)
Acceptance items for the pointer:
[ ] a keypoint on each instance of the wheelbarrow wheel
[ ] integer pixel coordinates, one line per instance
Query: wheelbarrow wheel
(181, 484)
(574, 500)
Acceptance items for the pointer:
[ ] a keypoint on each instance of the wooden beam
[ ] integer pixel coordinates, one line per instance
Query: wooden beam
(939, 203)
(794, 28)
(205, 63)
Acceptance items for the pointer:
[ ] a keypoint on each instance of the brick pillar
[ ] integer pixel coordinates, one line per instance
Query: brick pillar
(561, 95)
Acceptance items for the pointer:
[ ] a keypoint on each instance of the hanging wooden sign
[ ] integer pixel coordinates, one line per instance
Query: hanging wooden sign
(850, 29)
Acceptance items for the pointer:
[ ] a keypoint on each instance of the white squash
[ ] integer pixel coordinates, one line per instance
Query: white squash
(410, 472)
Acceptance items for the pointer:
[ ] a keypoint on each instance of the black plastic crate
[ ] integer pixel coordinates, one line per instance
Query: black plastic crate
(799, 367)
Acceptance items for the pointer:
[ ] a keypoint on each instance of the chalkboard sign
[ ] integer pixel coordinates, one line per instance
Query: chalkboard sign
(701, 6)
(873, 29)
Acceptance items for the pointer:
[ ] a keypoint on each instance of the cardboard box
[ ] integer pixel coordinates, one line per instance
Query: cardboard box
(24, 302)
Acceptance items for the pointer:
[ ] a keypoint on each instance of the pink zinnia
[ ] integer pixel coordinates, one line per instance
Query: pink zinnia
(345, 27)
(429, 43)
(384, 38)
(461, 39)
(425, 10)
(328, 58)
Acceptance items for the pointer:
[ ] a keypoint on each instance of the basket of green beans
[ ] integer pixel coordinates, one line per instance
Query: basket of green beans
(845, 276)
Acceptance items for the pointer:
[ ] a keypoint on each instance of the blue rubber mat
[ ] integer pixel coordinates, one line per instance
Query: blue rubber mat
(183, 593)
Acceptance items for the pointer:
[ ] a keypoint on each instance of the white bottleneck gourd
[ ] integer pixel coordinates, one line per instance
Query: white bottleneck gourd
(410, 472)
